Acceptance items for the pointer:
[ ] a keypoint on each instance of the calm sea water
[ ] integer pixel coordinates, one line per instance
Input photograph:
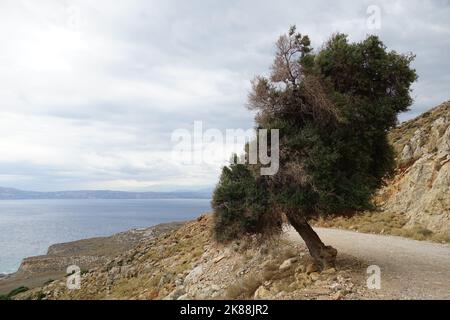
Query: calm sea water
(29, 227)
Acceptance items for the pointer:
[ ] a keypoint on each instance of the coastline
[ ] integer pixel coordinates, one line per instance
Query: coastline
(29, 227)
(86, 253)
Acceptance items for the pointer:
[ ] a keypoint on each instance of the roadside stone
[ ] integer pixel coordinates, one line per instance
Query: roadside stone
(337, 296)
(329, 271)
(314, 276)
(262, 293)
(215, 287)
(287, 264)
(310, 268)
(335, 286)
(303, 278)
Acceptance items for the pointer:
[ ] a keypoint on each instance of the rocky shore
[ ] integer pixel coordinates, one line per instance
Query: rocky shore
(86, 253)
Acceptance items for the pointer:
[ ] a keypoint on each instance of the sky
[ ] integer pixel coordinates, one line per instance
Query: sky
(92, 91)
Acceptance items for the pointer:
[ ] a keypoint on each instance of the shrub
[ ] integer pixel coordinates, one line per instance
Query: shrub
(240, 206)
(17, 291)
(13, 292)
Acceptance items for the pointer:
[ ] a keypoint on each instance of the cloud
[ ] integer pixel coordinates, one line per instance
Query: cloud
(91, 91)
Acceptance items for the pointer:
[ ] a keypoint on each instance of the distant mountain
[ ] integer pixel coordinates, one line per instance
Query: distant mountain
(16, 194)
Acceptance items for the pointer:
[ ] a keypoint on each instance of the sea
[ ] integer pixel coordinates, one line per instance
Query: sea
(29, 227)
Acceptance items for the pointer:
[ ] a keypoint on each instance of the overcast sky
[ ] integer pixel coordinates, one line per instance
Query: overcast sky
(90, 91)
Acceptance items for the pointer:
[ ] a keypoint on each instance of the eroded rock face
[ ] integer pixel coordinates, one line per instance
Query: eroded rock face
(421, 187)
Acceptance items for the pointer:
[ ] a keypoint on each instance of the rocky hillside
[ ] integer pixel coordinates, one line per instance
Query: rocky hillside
(416, 201)
(188, 264)
(421, 187)
(86, 253)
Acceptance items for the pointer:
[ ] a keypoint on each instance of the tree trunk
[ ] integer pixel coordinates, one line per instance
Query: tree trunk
(324, 256)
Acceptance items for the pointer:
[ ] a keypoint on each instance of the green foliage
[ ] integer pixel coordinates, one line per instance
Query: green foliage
(240, 204)
(334, 109)
(14, 292)
(18, 290)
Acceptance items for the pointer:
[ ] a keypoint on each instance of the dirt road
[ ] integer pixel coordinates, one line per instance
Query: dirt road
(410, 269)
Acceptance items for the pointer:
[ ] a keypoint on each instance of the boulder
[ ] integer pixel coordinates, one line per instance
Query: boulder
(311, 267)
(287, 264)
(314, 276)
(193, 275)
(262, 294)
(329, 271)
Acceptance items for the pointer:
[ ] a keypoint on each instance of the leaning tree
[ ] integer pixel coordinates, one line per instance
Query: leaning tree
(333, 109)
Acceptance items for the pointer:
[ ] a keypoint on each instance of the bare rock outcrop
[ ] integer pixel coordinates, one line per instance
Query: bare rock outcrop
(421, 186)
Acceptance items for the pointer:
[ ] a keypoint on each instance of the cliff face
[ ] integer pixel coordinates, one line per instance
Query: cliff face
(420, 188)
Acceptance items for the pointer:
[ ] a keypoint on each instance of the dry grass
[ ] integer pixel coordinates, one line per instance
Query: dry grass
(382, 223)
(245, 288)
(278, 252)
(369, 222)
